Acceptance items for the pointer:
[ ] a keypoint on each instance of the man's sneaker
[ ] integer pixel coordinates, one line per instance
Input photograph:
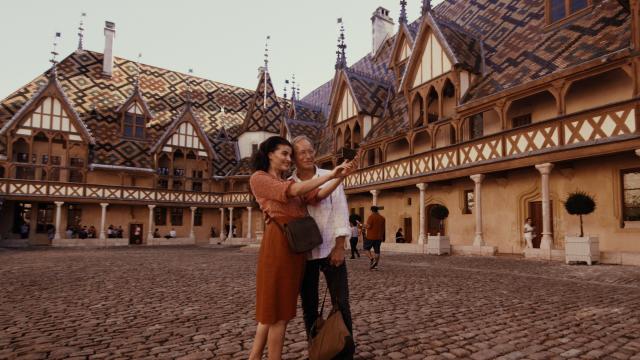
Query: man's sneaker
(371, 264)
(374, 264)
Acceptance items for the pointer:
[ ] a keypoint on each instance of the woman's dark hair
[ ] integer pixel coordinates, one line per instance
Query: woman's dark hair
(260, 160)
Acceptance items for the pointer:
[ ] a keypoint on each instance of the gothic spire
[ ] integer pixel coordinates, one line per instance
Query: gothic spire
(426, 6)
(403, 12)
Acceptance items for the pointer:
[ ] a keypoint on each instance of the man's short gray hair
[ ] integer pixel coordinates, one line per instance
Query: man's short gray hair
(299, 138)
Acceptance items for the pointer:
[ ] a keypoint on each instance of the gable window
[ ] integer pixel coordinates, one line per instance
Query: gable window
(134, 122)
(631, 195)
(560, 9)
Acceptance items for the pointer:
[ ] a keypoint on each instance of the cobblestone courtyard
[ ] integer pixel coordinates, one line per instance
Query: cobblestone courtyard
(198, 303)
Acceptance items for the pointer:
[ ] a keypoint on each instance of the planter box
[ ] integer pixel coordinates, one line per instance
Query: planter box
(171, 241)
(584, 248)
(438, 245)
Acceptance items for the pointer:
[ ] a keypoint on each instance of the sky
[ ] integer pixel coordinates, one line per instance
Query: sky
(220, 40)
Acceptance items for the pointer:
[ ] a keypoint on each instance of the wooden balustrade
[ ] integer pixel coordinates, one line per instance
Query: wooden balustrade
(607, 124)
(51, 190)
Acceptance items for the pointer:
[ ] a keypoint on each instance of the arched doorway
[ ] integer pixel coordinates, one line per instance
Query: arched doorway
(433, 224)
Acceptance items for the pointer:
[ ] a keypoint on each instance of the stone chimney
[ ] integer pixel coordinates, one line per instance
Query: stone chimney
(109, 35)
(382, 28)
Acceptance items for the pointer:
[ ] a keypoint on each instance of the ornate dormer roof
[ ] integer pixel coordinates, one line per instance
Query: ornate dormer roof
(186, 124)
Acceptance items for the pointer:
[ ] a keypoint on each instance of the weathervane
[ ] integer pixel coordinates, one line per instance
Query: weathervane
(188, 80)
(293, 86)
(54, 53)
(403, 12)
(81, 30)
(341, 58)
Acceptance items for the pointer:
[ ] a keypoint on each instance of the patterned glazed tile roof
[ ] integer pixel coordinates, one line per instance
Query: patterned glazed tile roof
(325, 142)
(370, 94)
(228, 154)
(243, 168)
(265, 112)
(394, 122)
(519, 49)
(465, 47)
(319, 97)
(96, 98)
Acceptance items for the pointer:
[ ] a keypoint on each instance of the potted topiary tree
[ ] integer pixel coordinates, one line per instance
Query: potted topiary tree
(439, 244)
(581, 248)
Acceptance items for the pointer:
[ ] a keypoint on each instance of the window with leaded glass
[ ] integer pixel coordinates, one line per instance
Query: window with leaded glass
(560, 9)
(133, 124)
(631, 195)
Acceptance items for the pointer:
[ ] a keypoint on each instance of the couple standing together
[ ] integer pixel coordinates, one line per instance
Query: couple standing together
(281, 273)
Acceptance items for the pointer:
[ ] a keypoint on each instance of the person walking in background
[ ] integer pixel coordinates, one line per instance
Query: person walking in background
(529, 232)
(375, 235)
(355, 233)
(279, 271)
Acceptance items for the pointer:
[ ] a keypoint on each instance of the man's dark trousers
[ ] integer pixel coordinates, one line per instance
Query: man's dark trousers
(336, 278)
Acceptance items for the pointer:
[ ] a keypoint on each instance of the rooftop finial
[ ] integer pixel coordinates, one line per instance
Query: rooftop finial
(136, 81)
(426, 6)
(266, 53)
(266, 70)
(293, 87)
(190, 71)
(54, 53)
(403, 12)
(81, 30)
(341, 61)
(286, 83)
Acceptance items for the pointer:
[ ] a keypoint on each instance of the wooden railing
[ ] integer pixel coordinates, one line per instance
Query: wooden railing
(52, 190)
(593, 127)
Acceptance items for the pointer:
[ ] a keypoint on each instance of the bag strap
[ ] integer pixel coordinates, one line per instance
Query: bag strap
(275, 222)
(324, 298)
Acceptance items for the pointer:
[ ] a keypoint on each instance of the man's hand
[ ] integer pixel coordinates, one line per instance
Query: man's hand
(336, 258)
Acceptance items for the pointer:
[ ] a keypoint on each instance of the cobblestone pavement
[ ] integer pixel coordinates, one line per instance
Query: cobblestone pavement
(192, 303)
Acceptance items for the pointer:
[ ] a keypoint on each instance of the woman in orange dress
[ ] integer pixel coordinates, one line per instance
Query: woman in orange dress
(279, 273)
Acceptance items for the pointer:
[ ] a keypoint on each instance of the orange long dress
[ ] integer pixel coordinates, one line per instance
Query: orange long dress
(280, 271)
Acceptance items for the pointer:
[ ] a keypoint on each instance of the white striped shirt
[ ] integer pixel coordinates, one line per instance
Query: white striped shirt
(332, 217)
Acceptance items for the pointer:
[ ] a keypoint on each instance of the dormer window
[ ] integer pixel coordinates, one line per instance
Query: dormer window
(560, 9)
(134, 122)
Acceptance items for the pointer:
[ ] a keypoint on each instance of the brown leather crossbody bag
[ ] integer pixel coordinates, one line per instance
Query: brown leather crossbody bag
(302, 234)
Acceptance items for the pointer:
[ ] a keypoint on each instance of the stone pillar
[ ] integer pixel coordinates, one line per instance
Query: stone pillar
(249, 208)
(103, 220)
(56, 235)
(477, 208)
(230, 235)
(192, 234)
(547, 237)
(151, 224)
(422, 238)
(222, 237)
(375, 194)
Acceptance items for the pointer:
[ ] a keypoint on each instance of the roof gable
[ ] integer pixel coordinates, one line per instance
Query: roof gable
(49, 109)
(185, 132)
